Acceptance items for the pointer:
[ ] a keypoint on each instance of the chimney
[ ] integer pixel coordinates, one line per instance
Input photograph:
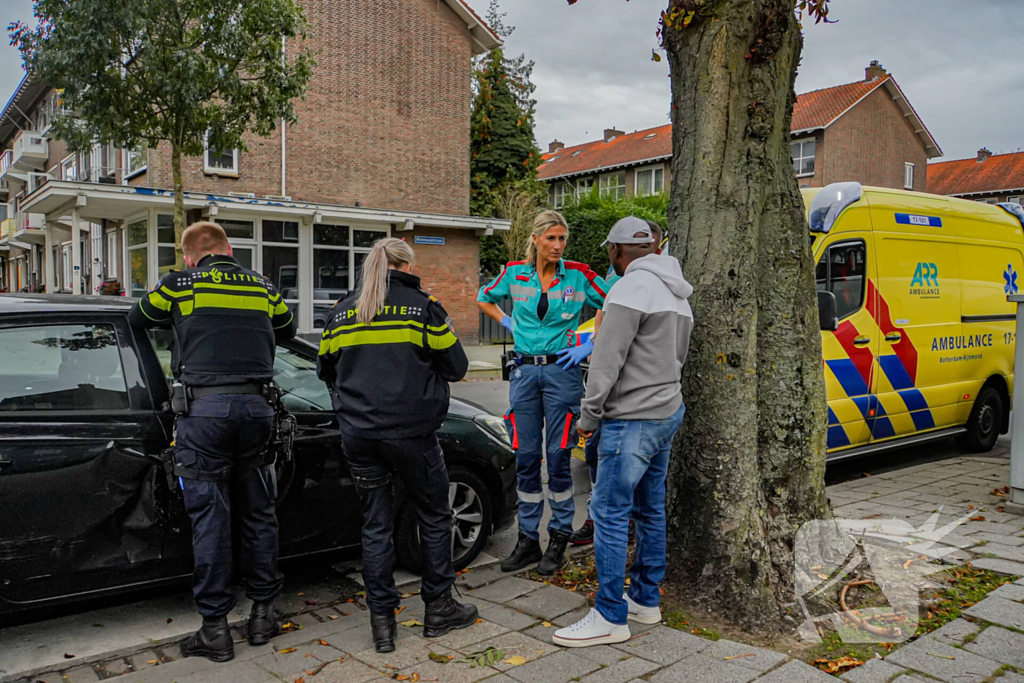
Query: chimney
(610, 134)
(874, 70)
(554, 146)
(983, 154)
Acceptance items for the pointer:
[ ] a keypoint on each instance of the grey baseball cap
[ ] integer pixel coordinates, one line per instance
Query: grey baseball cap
(626, 229)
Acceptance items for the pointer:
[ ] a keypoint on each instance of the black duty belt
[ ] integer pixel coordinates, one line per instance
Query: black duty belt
(197, 392)
(550, 359)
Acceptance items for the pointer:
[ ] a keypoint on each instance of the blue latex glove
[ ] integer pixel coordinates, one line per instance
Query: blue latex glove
(570, 358)
(506, 322)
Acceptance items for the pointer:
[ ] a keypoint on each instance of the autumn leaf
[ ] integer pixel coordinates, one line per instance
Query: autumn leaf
(399, 610)
(287, 650)
(412, 622)
(67, 656)
(517, 660)
(415, 676)
(332, 616)
(401, 677)
(324, 642)
(440, 659)
(300, 680)
(976, 518)
(546, 624)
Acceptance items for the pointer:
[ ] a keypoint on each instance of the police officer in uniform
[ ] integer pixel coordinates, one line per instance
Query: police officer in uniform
(548, 294)
(227, 321)
(387, 355)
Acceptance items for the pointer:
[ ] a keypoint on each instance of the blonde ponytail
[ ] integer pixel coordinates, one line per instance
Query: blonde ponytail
(544, 221)
(374, 290)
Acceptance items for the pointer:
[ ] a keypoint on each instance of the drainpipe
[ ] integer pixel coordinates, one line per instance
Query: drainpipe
(1015, 502)
(284, 136)
(76, 252)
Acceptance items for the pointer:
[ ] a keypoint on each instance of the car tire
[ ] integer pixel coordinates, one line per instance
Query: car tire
(471, 526)
(984, 424)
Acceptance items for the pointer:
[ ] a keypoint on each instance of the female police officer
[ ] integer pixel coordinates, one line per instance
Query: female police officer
(547, 295)
(387, 354)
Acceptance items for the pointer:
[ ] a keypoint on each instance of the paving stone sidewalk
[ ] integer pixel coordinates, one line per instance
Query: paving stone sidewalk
(519, 617)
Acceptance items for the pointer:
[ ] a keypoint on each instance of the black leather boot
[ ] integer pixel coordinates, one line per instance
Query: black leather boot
(445, 614)
(555, 554)
(384, 630)
(212, 641)
(527, 551)
(263, 623)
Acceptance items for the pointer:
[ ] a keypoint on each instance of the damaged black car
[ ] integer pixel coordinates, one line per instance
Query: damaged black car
(86, 507)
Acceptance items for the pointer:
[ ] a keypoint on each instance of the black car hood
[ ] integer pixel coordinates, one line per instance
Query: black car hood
(459, 408)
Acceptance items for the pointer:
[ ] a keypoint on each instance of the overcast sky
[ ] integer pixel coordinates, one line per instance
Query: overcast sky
(958, 61)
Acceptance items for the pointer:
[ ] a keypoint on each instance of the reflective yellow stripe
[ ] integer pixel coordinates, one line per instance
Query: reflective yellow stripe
(325, 345)
(281, 308)
(371, 337)
(275, 298)
(230, 288)
(439, 328)
(171, 293)
(285, 324)
(186, 306)
(379, 323)
(158, 301)
(442, 342)
(232, 301)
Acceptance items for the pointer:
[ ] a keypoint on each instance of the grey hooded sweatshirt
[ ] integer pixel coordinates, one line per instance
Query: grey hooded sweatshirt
(639, 353)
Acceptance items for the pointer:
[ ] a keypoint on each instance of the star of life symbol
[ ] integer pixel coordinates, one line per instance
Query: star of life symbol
(1010, 276)
(827, 555)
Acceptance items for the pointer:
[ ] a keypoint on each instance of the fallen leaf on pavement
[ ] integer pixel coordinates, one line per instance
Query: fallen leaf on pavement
(312, 603)
(324, 642)
(940, 656)
(749, 654)
(518, 660)
(152, 661)
(399, 610)
(287, 650)
(546, 624)
(169, 620)
(976, 518)
(415, 676)
(412, 622)
(300, 680)
(333, 616)
(401, 677)
(440, 659)
(835, 665)
(67, 656)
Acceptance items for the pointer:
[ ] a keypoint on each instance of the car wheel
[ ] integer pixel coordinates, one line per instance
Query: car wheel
(984, 423)
(472, 514)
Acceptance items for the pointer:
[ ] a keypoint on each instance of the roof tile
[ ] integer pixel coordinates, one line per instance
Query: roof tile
(653, 143)
(964, 176)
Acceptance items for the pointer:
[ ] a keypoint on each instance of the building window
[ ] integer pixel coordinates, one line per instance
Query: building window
(990, 200)
(1013, 200)
(135, 161)
(280, 240)
(650, 181)
(113, 255)
(68, 267)
(562, 192)
(165, 256)
(338, 255)
(584, 186)
(802, 152)
(613, 185)
(220, 162)
(908, 176)
(69, 168)
(138, 258)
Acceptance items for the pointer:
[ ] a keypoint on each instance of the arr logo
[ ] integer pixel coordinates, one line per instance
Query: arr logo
(926, 275)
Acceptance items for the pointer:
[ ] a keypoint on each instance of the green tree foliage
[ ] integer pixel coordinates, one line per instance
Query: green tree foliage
(591, 217)
(143, 72)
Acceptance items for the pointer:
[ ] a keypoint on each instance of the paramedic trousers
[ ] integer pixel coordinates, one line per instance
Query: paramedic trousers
(219, 432)
(419, 463)
(545, 402)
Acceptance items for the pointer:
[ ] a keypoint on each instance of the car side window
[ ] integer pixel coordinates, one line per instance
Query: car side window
(61, 367)
(162, 339)
(296, 374)
(842, 270)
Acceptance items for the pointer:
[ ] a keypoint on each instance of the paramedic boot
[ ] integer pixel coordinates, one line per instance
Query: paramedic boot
(555, 554)
(445, 614)
(262, 623)
(527, 551)
(212, 641)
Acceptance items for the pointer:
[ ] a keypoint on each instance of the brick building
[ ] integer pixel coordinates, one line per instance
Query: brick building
(989, 178)
(381, 147)
(865, 131)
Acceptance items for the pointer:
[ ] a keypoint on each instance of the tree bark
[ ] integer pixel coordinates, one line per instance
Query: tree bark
(748, 467)
(179, 205)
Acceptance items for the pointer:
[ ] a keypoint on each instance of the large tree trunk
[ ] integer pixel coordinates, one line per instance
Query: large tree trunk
(179, 205)
(748, 468)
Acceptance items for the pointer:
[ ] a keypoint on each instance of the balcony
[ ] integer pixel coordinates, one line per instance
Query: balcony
(7, 228)
(31, 150)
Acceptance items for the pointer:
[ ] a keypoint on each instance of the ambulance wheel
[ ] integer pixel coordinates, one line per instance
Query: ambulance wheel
(984, 423)
(471, 522)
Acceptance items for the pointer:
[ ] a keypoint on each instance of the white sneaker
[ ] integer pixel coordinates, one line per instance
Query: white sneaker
(641, 614)
(592, 629)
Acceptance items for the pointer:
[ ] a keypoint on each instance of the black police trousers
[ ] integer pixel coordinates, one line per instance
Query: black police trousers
(419, 463)
(219, 432)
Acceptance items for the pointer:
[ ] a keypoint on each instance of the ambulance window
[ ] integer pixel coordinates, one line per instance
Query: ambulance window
(841, 271)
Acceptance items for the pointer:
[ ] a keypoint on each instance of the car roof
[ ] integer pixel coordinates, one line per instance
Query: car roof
(49, 303)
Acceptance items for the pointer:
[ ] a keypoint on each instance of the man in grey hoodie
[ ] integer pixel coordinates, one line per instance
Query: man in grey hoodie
(633, 390)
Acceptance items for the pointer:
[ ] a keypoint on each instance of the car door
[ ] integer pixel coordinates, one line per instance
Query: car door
(846, 268)
(76, 485)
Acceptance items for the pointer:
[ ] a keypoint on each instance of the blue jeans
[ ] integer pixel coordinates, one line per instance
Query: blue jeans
(419, 463)
(219, 432)
(631, 471)
(544, 398)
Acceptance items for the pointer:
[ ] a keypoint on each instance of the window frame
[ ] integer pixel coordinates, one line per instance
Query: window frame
(112, 269)
(560, 193)
(828, 275)
(803, 157)
(128, 171)
(1013, 200)
(606, 189)
(233, 172)
(70, 162)
(654, 171)
(584, 186)
(909, 172)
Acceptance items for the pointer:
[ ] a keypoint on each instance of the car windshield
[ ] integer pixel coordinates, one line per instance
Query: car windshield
(293, 372)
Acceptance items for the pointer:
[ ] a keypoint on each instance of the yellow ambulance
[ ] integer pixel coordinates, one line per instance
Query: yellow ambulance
(917, 335)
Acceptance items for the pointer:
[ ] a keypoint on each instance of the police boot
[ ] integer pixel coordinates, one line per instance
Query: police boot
(263, 623)
(445, 614)
(527, 551)
(212, 641)
(555, 554)
(384, 630)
